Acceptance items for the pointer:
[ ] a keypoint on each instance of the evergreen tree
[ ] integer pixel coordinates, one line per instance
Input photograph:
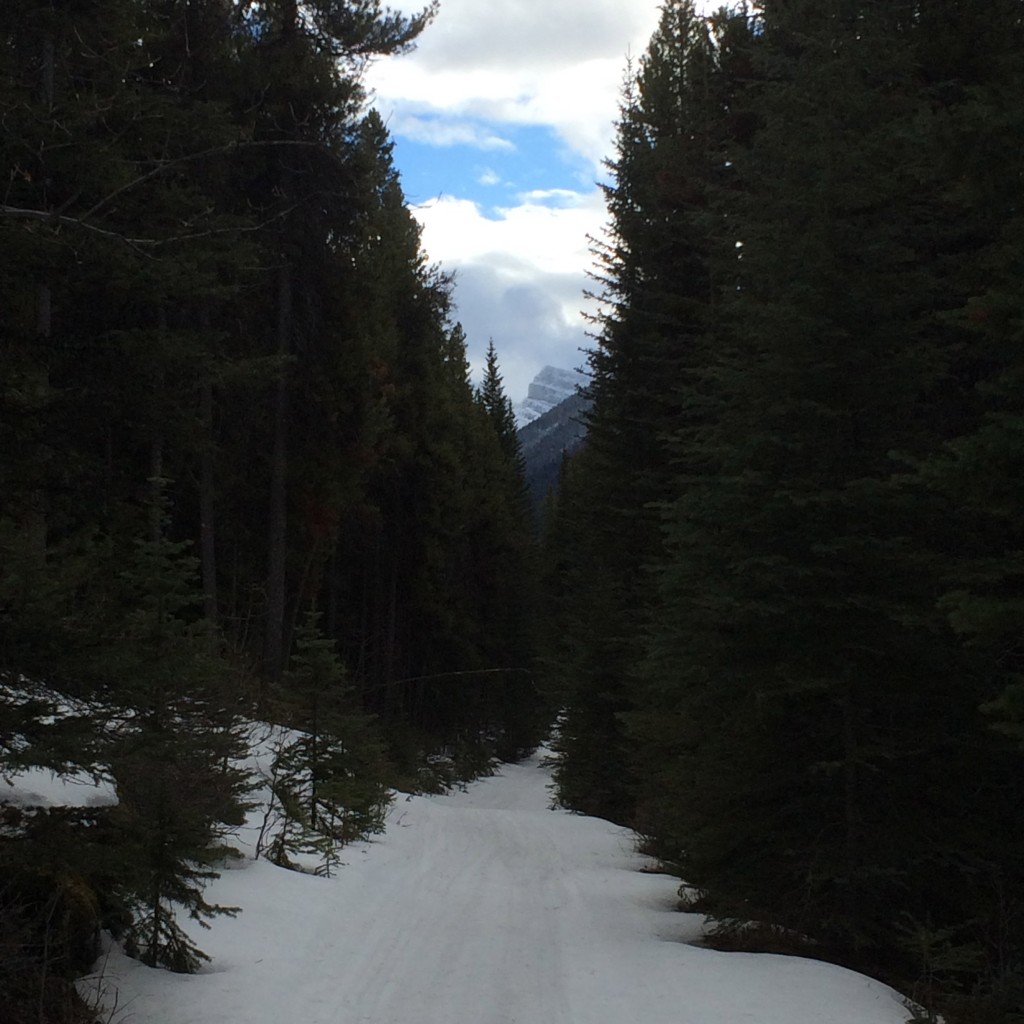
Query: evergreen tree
(498, 407)
(793, 601)
(805, 299)
(650, 383)
(175, 752)
(507, 571)
(172, 166)
(328, 780)
(303, 180)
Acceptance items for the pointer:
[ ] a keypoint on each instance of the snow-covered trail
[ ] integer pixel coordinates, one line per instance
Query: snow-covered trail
(484, 907)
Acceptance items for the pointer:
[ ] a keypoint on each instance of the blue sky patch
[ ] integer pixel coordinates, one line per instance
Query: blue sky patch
(496, 177)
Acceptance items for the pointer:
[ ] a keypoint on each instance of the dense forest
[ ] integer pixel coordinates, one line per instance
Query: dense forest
(244, 474)
(245, 477)
(786, 574)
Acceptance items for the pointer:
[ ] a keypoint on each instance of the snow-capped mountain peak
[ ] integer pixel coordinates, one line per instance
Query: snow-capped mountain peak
(550, 387)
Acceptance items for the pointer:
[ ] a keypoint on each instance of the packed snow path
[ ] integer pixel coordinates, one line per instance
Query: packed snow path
(484, 907)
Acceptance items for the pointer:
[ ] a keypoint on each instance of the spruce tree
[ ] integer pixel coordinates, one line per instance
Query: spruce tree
(303, 181)
(507, 573)
(787, 611)
(650, 384)
(327, 780)
(781, 599)
(811, 718)
(498, 407)
(175, 752)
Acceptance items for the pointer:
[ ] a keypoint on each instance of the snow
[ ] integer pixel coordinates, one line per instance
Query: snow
(40, 787)
(481, 907)
(35, 786)
(550, 387)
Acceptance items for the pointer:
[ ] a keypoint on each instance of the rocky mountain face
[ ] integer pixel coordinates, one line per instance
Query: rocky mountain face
(545, 439)
(550, 387)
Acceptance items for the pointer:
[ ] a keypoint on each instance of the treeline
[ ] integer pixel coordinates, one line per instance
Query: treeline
(242, 468)
(788, 585)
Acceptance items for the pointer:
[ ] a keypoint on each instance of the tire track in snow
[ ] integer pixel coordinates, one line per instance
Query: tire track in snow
(482, 908)
(471, 934)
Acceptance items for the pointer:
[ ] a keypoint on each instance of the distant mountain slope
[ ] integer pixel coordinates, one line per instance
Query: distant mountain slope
(544, 440)
(550, 387)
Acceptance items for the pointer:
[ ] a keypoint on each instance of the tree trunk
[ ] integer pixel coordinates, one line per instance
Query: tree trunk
(35, 517)
(156, 486)
(156, 446)
(35, 524)
(273, 659)
(207, 509)
(331, 616)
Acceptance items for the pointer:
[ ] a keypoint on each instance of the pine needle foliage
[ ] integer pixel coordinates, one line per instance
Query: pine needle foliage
(327, 778)
(788, 561)
(173, 754)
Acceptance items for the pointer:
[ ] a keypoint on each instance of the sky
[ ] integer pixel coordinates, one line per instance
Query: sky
(501, 119)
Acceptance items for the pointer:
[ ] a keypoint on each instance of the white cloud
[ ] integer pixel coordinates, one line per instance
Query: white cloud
(580, 101)
(556, 197)
(480, 70)
(532, 318)
(551, 238)
(520, 277)
(524, 62)
(515, 34)
(436, 131)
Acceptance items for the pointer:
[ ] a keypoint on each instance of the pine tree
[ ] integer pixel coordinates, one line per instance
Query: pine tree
(811, 718)
(304, 181)
(498, 407)
(649, 386)
(175, 753)
(973, 75)
(95, 199)
(172, 164)
(765, 545)
(784, 620)
(328, 779)
(507, 573)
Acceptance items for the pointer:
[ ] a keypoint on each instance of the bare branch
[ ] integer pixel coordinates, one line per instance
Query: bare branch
(58, 217)
(19, 213)
(167, 165)
(45, 216)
